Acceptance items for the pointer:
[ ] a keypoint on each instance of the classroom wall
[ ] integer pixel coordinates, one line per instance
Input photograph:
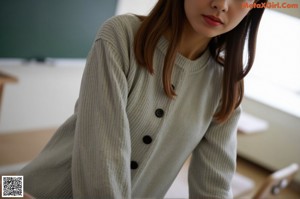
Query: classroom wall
(43, 97)
(45, 94)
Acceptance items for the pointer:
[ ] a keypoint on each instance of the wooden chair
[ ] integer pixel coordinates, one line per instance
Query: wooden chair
(276, 182)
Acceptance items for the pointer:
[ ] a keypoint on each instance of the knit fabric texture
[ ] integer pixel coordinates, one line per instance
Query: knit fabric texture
(127, 139)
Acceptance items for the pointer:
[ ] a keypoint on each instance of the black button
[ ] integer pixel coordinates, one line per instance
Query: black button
(134, 165)
(147, 139)
(173, 87)
(159, 113)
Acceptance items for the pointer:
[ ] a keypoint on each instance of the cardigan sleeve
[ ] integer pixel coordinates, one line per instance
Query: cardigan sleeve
(213, 161)
(101, 153)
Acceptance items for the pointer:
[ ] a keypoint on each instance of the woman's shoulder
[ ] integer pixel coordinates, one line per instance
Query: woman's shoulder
(124, 18)
(124, 25)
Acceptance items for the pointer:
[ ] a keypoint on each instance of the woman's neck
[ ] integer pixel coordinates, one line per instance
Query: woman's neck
(191, 44)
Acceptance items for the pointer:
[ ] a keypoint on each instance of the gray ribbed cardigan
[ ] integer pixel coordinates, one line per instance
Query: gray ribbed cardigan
(127, 139)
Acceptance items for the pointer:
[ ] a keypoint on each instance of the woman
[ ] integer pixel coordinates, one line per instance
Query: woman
(156, 89)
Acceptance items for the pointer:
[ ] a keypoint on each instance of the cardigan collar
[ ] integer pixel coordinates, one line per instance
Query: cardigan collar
(183, 62)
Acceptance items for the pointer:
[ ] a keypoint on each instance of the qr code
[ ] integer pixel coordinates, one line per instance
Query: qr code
(12, 186)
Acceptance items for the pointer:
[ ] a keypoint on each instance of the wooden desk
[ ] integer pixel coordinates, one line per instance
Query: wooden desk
(5, 78)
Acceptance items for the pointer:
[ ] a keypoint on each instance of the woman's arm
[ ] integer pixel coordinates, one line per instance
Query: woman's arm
(101, 154)
(214, 161)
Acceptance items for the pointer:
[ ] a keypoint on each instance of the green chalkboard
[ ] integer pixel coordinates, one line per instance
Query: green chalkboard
(38, 29)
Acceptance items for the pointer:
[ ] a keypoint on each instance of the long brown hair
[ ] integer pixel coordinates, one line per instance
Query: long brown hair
(227, 49)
